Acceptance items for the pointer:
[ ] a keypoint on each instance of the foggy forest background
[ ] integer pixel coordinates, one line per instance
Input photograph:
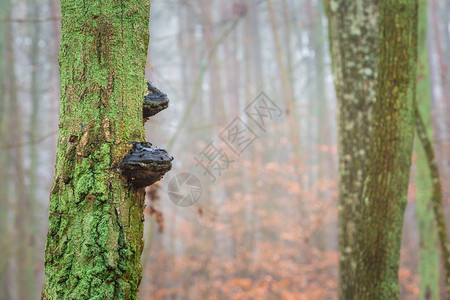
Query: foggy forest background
(267, 226)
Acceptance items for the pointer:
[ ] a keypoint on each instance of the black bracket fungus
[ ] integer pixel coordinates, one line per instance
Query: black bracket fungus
(144, 164)
(154, 101)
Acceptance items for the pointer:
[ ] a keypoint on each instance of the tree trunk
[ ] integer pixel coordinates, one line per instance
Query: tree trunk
(22, 252)
(94, 242)
(436, 197)
(354, 67)
(374, 51)
(288, 95)
(214, 76)
(4, 160)
(428, 254)
(35, 33)
(378, 237)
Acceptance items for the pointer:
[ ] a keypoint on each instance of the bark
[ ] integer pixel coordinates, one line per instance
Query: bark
(428, 254)
(353, 36)
(94, 242)
(374, 51)
(385, 186)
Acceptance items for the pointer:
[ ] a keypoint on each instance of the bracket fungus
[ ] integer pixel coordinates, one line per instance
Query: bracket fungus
(144, 164)
(154, 101)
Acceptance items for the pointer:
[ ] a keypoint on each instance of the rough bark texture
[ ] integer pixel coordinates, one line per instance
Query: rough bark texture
(94, 242)
(374, 51)
(428, 252)
(354, 51)
(384, 194)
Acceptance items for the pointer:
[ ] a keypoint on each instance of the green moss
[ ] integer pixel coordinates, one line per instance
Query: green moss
(94, 241)
(374, 66)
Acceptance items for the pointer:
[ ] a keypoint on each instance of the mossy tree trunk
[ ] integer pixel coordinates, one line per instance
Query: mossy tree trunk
(374, 51)
(428, 252)
(94, 242)
(354, 51)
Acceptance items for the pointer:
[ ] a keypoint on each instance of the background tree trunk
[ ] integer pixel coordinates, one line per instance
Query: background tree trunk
(94, 242)
(4, 159)
(22, 207)
(289, 98)
(386, 184)
(428, 253)
(354, 69)
(373, 189)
